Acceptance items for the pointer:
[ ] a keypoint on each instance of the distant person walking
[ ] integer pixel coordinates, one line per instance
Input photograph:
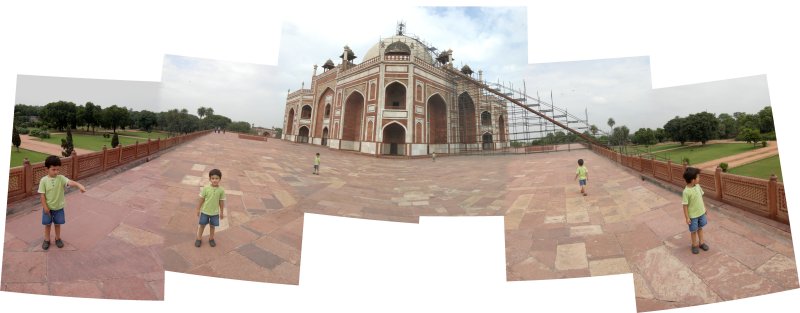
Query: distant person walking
(582, 174)
(316, 164)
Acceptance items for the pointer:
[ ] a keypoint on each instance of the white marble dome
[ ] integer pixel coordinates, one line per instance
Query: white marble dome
(418, 49)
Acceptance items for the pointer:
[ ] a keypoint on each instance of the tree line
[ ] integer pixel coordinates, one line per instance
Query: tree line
(701, 127)
(66, 116)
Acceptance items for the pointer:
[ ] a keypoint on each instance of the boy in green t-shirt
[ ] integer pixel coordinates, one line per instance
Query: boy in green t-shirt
(316, 165)
(694, 209)
(211, 208)
(582, 173)
(51, 188)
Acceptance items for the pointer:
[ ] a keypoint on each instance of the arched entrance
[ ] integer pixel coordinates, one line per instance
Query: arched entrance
(395, 97)
(353, 112)
(394, 139)
(323, 108)
(437, 120)
(487, 141)
(290, 122)
(325, 136)
(302, 136)
(466, 119)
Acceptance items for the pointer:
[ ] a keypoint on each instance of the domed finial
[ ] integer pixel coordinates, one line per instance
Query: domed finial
(401, 27)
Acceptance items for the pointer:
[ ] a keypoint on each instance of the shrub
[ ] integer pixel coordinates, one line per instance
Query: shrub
(35, 132)
(106, 135)
(114, 141)
(763, 143)
(685, 160)
(723, 166)
(23, 130)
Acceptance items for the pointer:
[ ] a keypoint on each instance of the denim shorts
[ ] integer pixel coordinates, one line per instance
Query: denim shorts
(698, 223)
(316, 167)
(205, 219)
(55, 217)
(582, 182)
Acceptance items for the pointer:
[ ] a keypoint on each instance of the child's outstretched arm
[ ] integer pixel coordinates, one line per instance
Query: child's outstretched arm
(78, 185)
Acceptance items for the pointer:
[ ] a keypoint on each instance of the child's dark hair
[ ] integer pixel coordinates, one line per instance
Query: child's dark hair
(690, 174)
(580, 162)
(52, 161)
(215, 172)
(317, 153)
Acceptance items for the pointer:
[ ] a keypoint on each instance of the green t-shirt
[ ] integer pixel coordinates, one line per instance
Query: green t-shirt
(316, 160)
(582, 171)
(53, 190)
(694, 198)
(212, 196)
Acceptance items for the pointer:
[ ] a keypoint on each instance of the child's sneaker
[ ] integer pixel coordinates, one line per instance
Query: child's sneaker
(212, 243)
(59, 243)
(695, 250)
(46, 245)
(197, 243)
(704, 246)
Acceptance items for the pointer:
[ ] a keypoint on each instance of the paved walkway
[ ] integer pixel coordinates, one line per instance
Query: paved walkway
(625, 225)
(112, 241)
(36, 144)
(743, 158)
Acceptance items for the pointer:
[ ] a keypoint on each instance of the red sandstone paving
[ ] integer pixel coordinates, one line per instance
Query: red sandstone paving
(93, 263)
(270, 186)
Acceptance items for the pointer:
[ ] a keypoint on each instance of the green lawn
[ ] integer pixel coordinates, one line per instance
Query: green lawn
(141, 134)
(760, 169)
(18, 157)
(89, 142)
(636, 149)
(700, 154)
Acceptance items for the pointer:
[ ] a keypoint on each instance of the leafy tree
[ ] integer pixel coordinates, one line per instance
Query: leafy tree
(147, 120)
(60, 114)
(727, 126)
(701, 127)
(15, 140)
(744, 120)
(209, 111)
(244, 127)
(115, 117)
(765, 120)
(201, 112)
(660, 134)
(279, 132)
(675, 129)
(66, 144)
(644, 136)
(593, 129)
(750, 135)
(611, 123)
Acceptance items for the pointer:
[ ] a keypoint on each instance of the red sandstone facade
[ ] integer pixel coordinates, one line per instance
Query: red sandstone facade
(398, 101)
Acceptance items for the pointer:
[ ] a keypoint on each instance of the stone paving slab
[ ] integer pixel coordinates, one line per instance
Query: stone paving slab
(112, 240)
(624, 225)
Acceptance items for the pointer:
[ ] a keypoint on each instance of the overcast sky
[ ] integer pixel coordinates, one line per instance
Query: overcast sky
(621, 89)
(41, 90)
(492, 39)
